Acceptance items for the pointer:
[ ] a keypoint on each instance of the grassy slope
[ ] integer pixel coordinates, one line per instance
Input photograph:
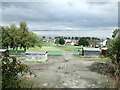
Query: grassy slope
(54, 50)
(47, 43)
(69, 48)
(45, 48)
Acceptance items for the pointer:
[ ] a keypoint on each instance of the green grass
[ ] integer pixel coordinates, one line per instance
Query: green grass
(55, 50)
(45, 48)
(47, 43)
(69, 48)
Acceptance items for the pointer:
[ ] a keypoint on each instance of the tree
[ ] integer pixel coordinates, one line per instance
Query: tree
(61, 41)
(0, 37)
(83, 41)
(11, 70)
(14, 37)
(114, 50)
(113, 53)
(114, 33)
(57, 41)
(76, 38)
(68, 37)
(43, 36)
(19, 37)
(72, 38)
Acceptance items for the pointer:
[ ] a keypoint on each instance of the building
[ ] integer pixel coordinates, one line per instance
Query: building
(104, 51)
(96, 43)
(70, 42)
(36, 55)
(91, 52)
(48, 40)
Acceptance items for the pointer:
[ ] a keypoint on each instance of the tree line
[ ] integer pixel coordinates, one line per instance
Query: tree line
(18, 37)
(74, 38)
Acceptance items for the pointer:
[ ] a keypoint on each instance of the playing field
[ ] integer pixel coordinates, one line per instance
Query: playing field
(55, 50)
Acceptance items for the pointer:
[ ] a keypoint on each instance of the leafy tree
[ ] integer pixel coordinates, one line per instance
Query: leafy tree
(57, 41)
(76, 38)
(19, 37)
(72, 38)
(114, 50)
(83, 41)
(11, 69)
(115, 32)
(6, 40)
(88, 38)
(1, 36)
(65, 37)
(43, 36)
(61, 41)
(14, 36)
(68, 37)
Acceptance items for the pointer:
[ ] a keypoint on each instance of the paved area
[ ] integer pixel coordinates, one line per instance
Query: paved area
(66, 71)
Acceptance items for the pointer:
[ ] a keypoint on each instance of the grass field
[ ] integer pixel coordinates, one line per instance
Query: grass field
(45, 48)
(69, 48)
(47, 43)
(55, 50)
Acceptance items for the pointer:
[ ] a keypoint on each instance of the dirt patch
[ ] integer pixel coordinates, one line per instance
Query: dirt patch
(66, 71)
(102, 68)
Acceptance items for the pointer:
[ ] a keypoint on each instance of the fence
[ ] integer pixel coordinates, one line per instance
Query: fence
(56, 53)
(18, 52)
(77, 52)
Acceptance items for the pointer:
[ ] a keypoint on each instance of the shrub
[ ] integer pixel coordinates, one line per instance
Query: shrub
(11, 68)
(114, 50)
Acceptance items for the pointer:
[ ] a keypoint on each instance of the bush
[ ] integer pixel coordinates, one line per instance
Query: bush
(11, 68)
(114, 50)
(114, 54)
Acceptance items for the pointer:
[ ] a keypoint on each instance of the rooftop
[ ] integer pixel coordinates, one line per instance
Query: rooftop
(91, 49)
(35, 52)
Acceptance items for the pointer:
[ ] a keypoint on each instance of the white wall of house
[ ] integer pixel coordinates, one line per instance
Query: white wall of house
(72, 43)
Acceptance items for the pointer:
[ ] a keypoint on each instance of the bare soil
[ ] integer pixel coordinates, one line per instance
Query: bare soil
(67, 71)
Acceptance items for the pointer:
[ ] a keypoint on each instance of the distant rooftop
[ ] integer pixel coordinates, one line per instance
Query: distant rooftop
(35, 52)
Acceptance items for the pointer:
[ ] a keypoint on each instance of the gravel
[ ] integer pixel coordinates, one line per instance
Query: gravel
(67, 71)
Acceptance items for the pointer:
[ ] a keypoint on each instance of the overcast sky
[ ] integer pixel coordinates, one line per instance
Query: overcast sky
(97, 19)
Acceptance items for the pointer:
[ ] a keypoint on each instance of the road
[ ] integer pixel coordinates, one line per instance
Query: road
(66, 71)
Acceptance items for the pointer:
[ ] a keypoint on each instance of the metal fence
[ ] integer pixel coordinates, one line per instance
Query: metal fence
(55, 53)
(16, 52)
(77, 52)
(21, 52)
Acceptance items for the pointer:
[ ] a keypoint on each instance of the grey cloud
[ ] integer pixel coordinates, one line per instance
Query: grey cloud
(59, 15)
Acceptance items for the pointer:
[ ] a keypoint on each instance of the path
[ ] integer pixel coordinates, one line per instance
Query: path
(66, 71)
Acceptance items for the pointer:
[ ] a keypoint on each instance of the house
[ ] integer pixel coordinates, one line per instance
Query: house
(98, 43)
(48, 40)
(36, 55)
(95, 43)
(91, 52)
(70, 42)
